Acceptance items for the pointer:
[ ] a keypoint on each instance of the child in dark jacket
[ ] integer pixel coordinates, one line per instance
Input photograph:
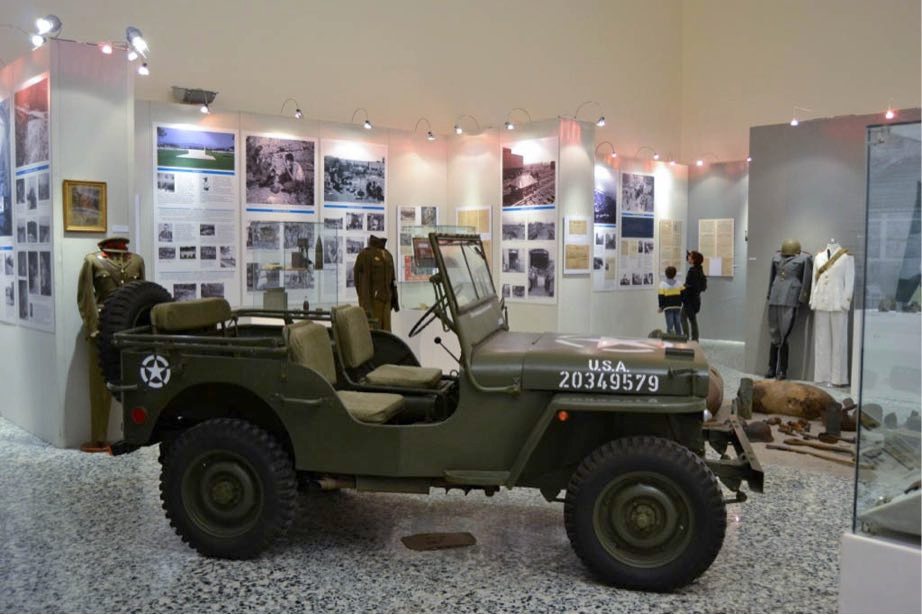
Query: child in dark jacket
(695, 284)
(670, 301)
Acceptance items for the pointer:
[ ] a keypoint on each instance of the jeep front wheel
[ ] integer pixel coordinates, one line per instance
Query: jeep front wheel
(645, 513)
(228, 488)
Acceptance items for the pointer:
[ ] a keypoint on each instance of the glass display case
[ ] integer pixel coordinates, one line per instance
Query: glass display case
(887, 494)
(290, 262)
(415, 263)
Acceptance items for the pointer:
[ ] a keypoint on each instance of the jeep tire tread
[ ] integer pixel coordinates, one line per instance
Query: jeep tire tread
(228, 487)
(128, 307)
(645, 513)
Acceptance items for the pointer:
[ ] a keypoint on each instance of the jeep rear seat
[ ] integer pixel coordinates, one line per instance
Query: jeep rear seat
(356, 348)
(190, 315)
(309, 346)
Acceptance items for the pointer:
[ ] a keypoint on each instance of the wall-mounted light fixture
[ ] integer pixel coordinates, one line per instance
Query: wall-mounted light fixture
(643, 148)
(46, 27)
(794, 120)
(509, 124)
(298, 114)
(613, 153)
(136, 41)
(703, 159)
(144, 70)
(599, 122)
(367, 123)
(890, 114)
(459, 130)
(429, 135)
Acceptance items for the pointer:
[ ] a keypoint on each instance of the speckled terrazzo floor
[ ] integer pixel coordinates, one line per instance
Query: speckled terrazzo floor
(85, 533)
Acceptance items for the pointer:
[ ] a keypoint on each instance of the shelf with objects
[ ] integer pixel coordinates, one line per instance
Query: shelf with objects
(416, 263)
(292, 265)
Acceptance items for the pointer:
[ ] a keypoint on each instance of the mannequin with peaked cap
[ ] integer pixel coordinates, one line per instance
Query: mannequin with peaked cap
(103, 273)
(375, 281)
(788, 287)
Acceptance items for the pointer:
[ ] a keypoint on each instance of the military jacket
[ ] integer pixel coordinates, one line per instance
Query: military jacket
(833, 287)
(789, 284)
(101, 275)
(374, 277)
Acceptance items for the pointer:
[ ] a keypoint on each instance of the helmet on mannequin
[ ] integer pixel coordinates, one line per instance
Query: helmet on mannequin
(790, 247)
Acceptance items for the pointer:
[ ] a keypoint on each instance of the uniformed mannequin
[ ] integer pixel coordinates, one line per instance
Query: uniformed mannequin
(830, 300)
(375, 281)
(102, 274)
(789, 286)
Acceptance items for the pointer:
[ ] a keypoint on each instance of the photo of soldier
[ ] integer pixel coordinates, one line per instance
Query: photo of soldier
(279, 171)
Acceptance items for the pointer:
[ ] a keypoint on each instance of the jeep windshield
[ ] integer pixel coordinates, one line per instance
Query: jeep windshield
(466, 269)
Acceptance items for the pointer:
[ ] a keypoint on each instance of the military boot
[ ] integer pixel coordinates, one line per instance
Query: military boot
(772, 362)
(782, 373)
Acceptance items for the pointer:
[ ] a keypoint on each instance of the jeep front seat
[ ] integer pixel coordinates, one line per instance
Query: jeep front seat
(356, 349)
(309, 346)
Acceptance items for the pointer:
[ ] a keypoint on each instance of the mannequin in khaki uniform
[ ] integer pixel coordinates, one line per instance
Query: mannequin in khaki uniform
(102, 274)
(375, 283)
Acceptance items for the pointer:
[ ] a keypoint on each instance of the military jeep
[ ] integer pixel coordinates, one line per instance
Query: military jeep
(247, 409)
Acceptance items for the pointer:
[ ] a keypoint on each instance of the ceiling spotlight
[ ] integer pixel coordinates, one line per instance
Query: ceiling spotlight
(37, 40)
(748, 158)
(600, 122)
(430, 136)
(136, 40)
(49, 25)
(655, 156)
(204, 109)
(699, 163)
(509, 125)
(794, 122)
(458, 129)
(143, 70)
(132, 55)
(614, 154)
(890, 114)
(367, 125)
(105, 48)
(298, 114)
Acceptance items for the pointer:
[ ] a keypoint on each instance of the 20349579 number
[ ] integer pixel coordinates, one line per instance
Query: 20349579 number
(615, 381)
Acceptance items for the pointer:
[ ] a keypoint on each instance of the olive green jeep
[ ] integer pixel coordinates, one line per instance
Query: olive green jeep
(247, 405)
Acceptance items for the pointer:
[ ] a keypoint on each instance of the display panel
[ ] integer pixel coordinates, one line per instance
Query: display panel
(637, 250)
(715, 242)
(409, 268)
(8, 312)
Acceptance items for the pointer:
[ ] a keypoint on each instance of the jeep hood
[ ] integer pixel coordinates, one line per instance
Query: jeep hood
(591, 363)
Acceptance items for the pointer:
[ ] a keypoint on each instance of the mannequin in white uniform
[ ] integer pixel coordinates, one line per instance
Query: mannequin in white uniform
(830, 300)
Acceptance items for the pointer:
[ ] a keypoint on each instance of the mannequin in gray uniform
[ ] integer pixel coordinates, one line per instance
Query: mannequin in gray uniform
(789, 286)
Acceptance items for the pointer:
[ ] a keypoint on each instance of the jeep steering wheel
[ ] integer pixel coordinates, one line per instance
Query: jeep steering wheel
(429, 315)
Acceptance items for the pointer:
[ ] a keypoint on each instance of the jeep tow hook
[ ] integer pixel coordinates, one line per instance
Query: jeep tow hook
(739, 498)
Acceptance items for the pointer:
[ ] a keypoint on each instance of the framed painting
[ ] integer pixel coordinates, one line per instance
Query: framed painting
(84, 206)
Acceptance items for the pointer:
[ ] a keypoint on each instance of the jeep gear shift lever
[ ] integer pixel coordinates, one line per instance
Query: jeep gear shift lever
(438, 340)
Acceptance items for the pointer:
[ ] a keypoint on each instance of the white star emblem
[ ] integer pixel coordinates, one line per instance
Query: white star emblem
(155, 371)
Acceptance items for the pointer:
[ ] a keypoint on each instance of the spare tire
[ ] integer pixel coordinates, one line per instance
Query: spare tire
(128, 307)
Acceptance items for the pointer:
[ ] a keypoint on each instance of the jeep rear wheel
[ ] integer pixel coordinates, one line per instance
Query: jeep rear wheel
(228, 488)
(645, 513)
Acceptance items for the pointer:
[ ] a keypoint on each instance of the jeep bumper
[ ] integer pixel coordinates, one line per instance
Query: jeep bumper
(732, 471)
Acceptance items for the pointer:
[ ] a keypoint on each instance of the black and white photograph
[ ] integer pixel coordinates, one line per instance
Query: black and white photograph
(32, 231)
(406, 238)
(21, 191)
(9, 293)
(529, 181)
(297, 231)
(252, 276)
(6, 183)
(44, 231)
(44, 267)
(208, 253)
(211, 289)
(187, 253)
(183, 292)
(355, 221)
(513, 261)
(647, 279)
(374, 223)
(31, 117)
(507, 290)
(31, 192)
(647, 247)
(354, 246)
(20, 231)
(267, 278)
(333, 223)
(332, 250)
(353, 181)
(596, 263)
(44, 186)
(279, 171)
(350, 274)
(611, 241)
(428, 216)
(9, 268)
(165, 232)
(518, 292)
(407, 215)
(35, 281)
(23, 299)
(636, 279)
(540, 273)
(298, 280)
(228, 258)
(22, 267)
(637, 193)
(206, 230)
(166, 182)
(540, 230)
(605, 196)
(625, 280)
(599, 239)
(513, 231)
(166, 253)
(263, 235)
